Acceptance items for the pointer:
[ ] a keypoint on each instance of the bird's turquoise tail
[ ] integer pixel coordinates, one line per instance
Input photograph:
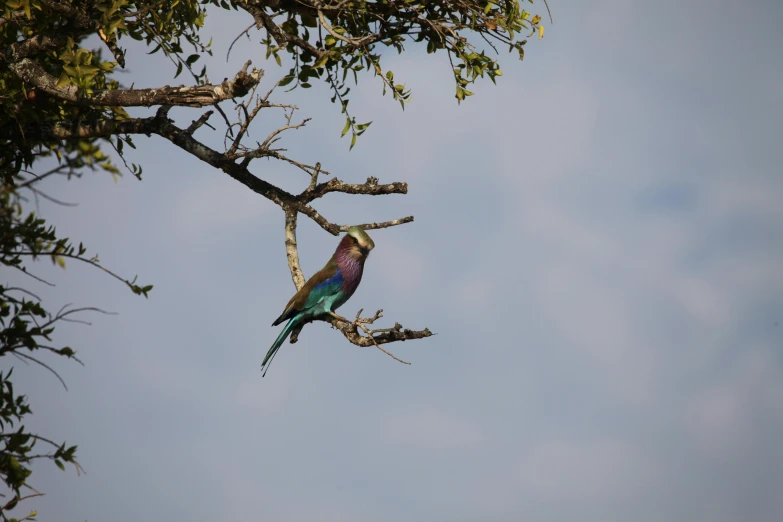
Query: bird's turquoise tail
(278, 342)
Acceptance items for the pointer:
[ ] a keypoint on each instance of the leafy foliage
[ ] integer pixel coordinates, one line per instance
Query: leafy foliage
(26, 326)
(336, 41)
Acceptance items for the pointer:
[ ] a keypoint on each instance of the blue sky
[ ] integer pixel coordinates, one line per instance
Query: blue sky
(598, 243)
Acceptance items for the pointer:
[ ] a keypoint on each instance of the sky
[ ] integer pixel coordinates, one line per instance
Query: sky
(597, 244)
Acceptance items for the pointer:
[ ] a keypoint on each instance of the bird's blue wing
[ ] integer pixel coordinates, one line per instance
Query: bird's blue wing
(324, 290)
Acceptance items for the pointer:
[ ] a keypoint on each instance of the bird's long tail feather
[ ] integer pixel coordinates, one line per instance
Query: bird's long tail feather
(277, 344)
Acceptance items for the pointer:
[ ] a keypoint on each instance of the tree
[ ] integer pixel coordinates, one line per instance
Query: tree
(62, 108)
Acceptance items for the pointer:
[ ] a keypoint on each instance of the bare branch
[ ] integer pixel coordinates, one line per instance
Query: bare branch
(197, 124)
(370, 188)
(318, 218)
(14, 501)
(291, 250)
(361, 324)
(375, 226)
(46, 196)
(373, 337)
(24, 357)
(274, 136)
(40, 177)
(29, 274)
(245, 32)
(314, 176)
(384, 336)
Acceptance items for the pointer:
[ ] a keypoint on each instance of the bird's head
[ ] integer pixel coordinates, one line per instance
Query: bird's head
(360, 242)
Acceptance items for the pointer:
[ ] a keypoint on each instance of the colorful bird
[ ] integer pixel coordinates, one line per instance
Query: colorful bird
(328, 289)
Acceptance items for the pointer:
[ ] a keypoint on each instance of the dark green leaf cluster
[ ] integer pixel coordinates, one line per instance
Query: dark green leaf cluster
(335, 41)
(49, 34)
(26, 327)
(18, 446)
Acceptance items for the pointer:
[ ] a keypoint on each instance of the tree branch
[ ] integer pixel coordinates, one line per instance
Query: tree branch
(354, 42)
(291, 250)
(375, 226)
(370, 188)
(18, 51)
(257, 9)
(197, 96)
(235, 162)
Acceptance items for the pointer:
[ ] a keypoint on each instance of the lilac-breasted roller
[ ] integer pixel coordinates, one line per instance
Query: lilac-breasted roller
(329, 288)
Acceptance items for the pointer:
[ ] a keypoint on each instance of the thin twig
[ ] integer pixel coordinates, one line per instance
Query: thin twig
(246, 31)
(23, 356)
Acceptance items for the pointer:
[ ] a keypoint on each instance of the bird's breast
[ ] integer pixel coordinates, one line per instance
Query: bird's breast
(351, 271)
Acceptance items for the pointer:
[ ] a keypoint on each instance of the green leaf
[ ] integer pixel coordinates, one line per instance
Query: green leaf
(320, 62)
(360, 128)
(63, 80)
(347, 126)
